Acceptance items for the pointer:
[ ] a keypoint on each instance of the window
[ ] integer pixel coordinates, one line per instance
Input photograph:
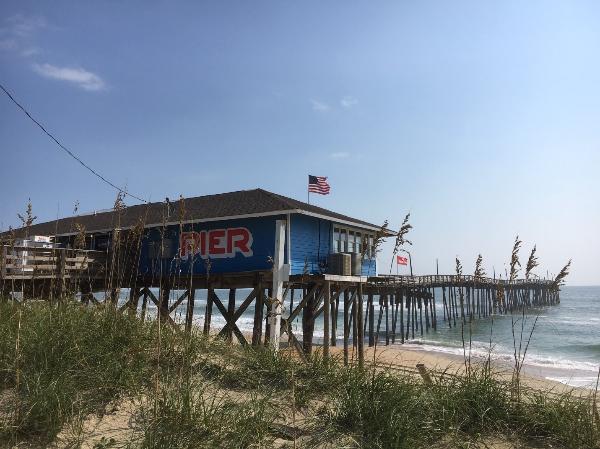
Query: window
(336, 240)
(351, 241)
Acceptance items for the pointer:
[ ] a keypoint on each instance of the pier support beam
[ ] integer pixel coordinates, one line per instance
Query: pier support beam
(277, 289)
(326, 310)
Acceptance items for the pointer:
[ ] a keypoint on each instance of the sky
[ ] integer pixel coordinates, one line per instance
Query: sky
(478, 118)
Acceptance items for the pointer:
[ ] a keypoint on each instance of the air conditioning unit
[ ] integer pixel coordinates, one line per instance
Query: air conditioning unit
(340, 264)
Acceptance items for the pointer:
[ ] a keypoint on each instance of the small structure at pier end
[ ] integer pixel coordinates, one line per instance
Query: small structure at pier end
(298, 262)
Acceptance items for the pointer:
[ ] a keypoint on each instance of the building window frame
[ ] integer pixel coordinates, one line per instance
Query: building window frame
(347, 239)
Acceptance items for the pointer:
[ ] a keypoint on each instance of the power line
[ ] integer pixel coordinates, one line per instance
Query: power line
(67, 150)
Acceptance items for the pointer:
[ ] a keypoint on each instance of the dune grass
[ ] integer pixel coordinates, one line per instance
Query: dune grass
(60, 363)
(386, 410)
(67, 361)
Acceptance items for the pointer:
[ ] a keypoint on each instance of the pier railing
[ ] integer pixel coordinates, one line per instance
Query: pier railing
(24, 262)
(452, 279)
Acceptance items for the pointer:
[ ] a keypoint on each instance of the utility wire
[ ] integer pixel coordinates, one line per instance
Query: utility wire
(68, 151)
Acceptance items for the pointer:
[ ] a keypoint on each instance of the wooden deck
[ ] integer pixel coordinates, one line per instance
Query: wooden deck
(23, 262)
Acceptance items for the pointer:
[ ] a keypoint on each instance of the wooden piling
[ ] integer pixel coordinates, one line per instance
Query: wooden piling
(258, 314)
(208, 311)
(326, 315)
(346, 324)
(371, 318)
(361, 337)
(189, 315)
(230, 312)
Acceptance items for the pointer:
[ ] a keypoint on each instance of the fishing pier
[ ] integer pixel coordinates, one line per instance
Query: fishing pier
(288, 264)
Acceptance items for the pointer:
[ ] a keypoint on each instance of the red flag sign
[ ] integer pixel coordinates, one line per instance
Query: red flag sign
(401, 260)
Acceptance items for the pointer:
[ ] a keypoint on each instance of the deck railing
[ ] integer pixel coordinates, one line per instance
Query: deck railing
(453, 279)
(25, 262)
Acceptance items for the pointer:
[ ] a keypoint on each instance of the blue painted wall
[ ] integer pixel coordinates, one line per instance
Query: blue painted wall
(369, 267)
(311, 240)
(311, 244)
(262, 246)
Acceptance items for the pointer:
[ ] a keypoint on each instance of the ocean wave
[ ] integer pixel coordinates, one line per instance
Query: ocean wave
(578, 321)
(593, 348)
(506, 356)
(584, 381)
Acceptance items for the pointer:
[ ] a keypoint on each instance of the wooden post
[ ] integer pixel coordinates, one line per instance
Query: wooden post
(163, 300)
(387, 321)
(144, 304)
(401, 316)
(134, 296)
(189, 314)
(208, 310)
(424, 374)
(308, 321)
(408, 312)
(433, 310)
(421, 300)
(268, 303)
(380, 316)
(326, 311)
(335, 306)
(413, 314)
(277, 287)
(446, 310)
(258, 314)
(371, 318)
(86, 292)
(354, 319)
(426, 306)
(346, 324)
(394, 302)
(230, 313)
(361, 336)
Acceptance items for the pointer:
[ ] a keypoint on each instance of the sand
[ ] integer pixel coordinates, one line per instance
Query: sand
(406, 359)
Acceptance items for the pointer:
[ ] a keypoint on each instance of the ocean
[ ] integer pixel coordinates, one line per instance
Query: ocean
(564, 347)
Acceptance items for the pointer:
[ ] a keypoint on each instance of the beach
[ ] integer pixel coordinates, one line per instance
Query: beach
(558, 344)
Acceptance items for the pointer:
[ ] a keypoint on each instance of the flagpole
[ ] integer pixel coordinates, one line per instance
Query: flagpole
(409, 260)
(308, 191)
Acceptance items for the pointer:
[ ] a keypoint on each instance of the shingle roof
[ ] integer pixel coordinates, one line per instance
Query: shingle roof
(223, 205)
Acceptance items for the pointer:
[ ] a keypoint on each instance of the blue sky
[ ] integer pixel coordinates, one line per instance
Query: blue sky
(480, 118)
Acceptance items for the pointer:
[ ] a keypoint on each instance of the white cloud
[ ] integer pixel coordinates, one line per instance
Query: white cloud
(348, 101)
(23, 26)
(18, 32)
(339, 155)
(78, 76)
(319, 105)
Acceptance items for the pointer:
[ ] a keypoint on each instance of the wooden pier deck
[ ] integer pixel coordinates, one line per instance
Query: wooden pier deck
(372, 310)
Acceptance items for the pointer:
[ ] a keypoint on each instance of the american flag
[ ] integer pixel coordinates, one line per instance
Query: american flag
(318, 184)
